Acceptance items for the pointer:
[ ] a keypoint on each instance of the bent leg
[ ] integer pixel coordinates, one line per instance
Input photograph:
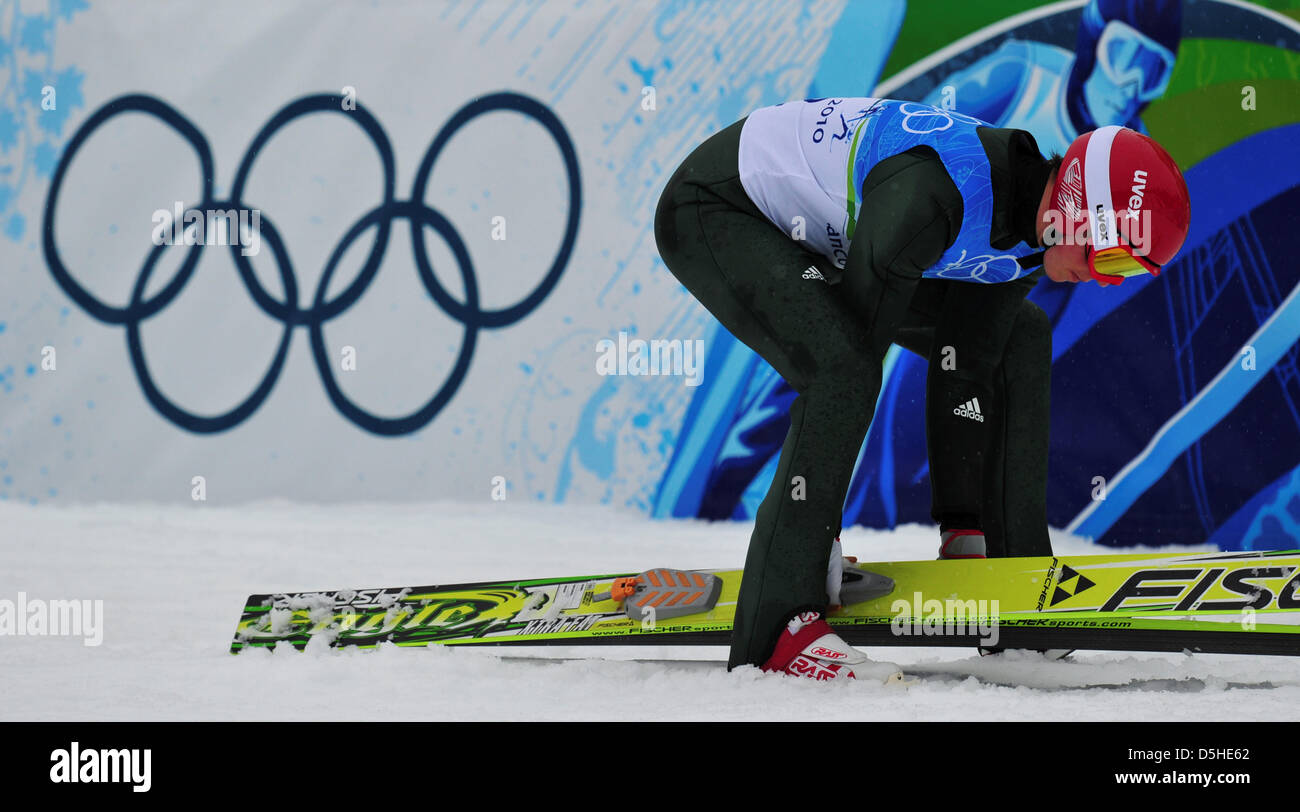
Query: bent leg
(971, 334)
(1015, 482)
(998, 483)
(749, 275)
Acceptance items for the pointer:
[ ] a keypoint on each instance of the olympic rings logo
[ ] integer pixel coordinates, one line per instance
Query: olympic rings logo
(922, 119)
(471, 316)
(987, 268)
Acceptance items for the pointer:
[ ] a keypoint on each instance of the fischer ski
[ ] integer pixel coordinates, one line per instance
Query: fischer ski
(1243, 603)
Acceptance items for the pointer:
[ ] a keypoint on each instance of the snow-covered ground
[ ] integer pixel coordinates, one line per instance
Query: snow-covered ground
(173, 579)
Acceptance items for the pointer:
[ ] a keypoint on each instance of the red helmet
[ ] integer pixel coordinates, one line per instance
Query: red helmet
(1128, 193)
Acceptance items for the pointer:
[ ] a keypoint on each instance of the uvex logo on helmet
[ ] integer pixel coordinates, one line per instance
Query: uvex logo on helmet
(1099, 213)
(1139, 186)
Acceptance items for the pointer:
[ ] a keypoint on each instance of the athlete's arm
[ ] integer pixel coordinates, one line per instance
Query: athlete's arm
(911, 213)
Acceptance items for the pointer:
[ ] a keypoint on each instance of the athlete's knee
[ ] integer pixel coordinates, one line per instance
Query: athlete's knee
(1033, 323)
(962, 364)
(1030, 344)
(852, 381)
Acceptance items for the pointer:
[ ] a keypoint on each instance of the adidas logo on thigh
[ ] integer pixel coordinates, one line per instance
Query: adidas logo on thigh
(971, 409)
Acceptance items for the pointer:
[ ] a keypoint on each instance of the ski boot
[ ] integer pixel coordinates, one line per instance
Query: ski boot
(809, 648)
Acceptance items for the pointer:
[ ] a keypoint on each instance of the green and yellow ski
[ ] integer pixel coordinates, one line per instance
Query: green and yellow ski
(1243, 603)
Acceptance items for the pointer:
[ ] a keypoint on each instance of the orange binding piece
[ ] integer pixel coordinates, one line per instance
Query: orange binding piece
(623, 588)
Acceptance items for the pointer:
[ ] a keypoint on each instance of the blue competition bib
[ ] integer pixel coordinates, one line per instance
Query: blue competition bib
(890, 127)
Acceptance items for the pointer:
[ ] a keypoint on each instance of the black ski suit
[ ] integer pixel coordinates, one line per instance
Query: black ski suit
(827, 337)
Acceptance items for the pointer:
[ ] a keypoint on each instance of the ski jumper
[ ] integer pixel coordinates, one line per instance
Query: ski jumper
(820, 232)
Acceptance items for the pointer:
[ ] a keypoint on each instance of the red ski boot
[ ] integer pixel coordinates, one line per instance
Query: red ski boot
(809, 648)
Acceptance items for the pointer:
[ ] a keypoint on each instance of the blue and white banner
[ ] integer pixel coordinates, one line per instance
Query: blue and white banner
(327, 354)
